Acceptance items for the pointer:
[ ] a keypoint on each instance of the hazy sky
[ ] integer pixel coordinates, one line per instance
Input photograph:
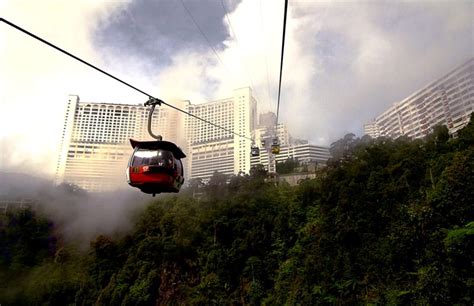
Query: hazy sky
(345, 61)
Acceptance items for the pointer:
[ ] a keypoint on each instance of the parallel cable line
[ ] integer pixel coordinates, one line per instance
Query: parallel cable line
(238, 46)
(210, 45)
(203, 35)
(281, 63)
(116, 78)
(265, 50)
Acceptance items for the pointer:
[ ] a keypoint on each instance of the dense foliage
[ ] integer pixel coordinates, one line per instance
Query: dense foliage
(287, 166)
(388, 222)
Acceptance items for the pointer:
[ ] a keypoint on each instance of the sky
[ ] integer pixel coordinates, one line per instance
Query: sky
(345, 61)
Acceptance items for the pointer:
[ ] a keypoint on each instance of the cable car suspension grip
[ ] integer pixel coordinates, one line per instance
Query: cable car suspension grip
(153, 102)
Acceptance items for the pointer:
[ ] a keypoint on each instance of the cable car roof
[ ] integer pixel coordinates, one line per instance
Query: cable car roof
(159, 145)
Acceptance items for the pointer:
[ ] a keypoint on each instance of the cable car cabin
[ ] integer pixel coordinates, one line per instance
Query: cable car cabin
(275, 146)
(155, 166)
(276, 149)
(254, 150)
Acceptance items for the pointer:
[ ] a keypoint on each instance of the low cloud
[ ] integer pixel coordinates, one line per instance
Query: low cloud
(78, 216)
(36, 79)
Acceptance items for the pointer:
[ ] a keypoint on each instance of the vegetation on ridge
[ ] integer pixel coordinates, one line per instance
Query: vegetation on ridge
(387, 222)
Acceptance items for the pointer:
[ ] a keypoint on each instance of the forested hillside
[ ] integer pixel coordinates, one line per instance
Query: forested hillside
(387, 222)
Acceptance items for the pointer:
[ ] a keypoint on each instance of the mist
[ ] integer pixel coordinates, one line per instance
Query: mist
(78, 216)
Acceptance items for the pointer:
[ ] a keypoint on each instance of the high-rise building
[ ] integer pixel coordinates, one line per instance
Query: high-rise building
(95, 140)
(265, 131)
(289, 147)
(266, 134)
(211, 148)
(303, 153)
(264, 137)
(95, 143)
(372, 129)
(267, 119)
(447, 101)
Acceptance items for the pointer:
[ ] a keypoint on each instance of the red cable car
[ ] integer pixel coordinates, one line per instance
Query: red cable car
(155, 166)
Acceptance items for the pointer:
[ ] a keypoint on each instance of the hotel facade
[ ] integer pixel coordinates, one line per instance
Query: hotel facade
(95, 145)
(447, 101)
(212, 149)
(300, 150)
(304, 153)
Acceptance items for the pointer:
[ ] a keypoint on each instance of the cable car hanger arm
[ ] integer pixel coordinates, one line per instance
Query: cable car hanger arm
(153, 102)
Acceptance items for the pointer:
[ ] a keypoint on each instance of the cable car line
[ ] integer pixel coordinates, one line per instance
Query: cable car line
(228, 21)
(281, 62)
(264, 49)
(69, 54)
(276, 142)
(210, 45)
(202, 33)
(158, 101)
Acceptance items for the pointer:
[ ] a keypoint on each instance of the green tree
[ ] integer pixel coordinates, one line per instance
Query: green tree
(287, 166)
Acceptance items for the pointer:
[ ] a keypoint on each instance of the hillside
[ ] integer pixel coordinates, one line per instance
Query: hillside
(387, 222)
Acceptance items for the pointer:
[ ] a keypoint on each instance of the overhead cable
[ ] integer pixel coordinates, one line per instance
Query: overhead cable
(202, 33)
(281, 63)
(116, 78)
(238, 46)
(265, 50)
(210, 45)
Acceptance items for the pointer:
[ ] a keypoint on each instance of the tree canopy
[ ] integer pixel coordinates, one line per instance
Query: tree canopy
(387, 222)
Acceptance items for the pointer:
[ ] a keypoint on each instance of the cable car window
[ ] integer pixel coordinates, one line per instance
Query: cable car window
(179, 167)
(153, 157)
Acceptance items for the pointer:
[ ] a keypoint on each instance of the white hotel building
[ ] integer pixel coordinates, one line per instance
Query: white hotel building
(289, 148)
(95, 145)
(447, 101)
(303, 153)
(213, 149)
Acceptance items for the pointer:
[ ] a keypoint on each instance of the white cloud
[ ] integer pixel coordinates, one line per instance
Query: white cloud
(186, 74)
(345, 62)
(36, 79)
